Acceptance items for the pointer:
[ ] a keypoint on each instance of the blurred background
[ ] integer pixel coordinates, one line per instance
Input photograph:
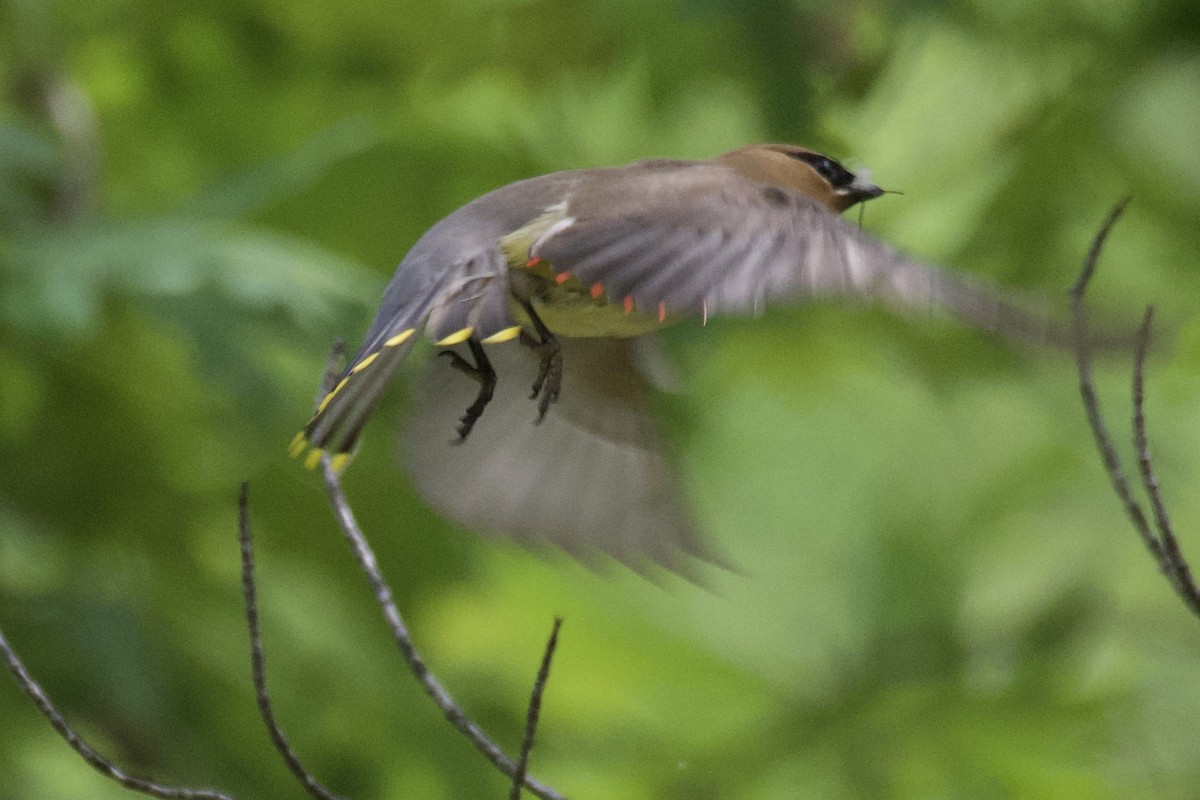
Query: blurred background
(938, 594)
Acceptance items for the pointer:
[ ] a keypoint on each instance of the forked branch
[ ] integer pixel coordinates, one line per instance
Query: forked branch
(1159, 535)
(365, 556)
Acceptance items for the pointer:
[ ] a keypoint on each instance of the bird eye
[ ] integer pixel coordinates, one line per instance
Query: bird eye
(838, 176)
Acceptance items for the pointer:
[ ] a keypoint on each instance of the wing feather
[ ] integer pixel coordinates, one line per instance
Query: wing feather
(594, 477)
(703, 236)
(698, 238)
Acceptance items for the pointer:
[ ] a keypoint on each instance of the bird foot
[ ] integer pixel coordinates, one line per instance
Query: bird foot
(482, 373)
(548, 384)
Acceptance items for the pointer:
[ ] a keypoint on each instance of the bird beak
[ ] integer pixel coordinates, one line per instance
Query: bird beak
(861, 188)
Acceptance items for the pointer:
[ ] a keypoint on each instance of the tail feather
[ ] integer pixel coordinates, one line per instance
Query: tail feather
(341, 414)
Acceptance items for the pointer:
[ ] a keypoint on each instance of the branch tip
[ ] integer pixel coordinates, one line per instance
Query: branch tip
(1093, 254)
(534, 712)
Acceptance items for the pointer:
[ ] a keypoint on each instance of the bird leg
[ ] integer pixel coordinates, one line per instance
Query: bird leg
(549, 378)
(482, 373)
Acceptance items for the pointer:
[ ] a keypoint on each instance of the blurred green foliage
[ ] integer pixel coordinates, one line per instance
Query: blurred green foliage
(938, 596)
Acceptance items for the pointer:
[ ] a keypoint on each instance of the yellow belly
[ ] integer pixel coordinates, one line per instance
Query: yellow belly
(570, 311)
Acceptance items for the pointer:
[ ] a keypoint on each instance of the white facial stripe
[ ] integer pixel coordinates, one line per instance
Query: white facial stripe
(862, 183)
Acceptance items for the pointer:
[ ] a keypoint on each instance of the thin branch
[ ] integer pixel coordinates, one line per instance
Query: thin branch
(1087, 385)
(1093, 255)
(1171, 561)
(535, 710)
(432, 686)
(85, 750)
(1160, 538)
(258, 659)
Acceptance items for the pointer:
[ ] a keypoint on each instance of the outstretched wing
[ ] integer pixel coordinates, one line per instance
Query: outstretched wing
(593, 477)
(701, 239)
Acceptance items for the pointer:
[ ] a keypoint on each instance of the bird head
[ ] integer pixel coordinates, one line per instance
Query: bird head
(812, 174)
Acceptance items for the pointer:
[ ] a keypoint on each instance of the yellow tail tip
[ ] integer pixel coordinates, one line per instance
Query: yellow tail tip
(339, 461)
(325, 400)
(456, 338)
(298, 445)
(507, 334)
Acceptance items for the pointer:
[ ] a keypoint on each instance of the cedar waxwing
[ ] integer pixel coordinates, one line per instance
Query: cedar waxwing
(561, 278)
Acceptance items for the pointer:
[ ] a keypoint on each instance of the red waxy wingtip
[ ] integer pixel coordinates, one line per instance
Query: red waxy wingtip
(662, 312)
(597, 290)
(627, 304)
(562, 278)
(533, 262)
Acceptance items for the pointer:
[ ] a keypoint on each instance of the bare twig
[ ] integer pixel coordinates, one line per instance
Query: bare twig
(1171, 560)
(391, 613)
(1093, 255)
(258, 659)
(86, 751)
(432, 686)
(1160, 538)
(535, 710)
(1087, 385)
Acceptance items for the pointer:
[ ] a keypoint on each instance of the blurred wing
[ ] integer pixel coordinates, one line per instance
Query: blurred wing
(700, 239)
(592, 477)
(447, 302)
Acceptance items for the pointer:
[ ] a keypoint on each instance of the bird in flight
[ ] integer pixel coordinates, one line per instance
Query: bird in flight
(565, 278)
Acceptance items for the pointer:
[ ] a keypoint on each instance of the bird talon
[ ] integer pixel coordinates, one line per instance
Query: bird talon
(548, 383)
(549, 380)
(482, 373)
(461, 364)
